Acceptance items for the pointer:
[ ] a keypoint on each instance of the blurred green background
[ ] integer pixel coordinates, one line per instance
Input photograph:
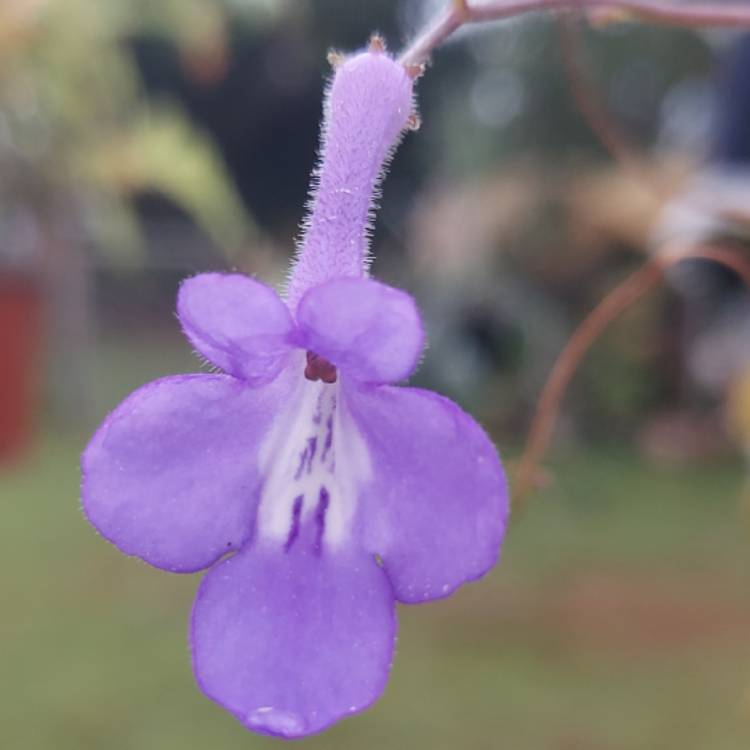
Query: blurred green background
(143, 142)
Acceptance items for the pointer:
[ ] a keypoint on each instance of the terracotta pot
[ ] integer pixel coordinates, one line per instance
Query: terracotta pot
(20, 344)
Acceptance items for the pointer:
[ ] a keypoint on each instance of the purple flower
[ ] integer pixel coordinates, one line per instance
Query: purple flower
(338, 493)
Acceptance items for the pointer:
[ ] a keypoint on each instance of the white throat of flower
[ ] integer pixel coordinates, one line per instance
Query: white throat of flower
(314, 460)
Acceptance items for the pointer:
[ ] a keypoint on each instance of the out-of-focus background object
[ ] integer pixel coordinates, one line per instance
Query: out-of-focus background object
(80, 145)
(141, 142)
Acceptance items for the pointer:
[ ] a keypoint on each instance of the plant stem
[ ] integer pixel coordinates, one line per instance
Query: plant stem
(667, 12)
(612, 306)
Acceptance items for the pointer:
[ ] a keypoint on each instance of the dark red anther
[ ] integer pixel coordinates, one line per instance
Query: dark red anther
(319, 368)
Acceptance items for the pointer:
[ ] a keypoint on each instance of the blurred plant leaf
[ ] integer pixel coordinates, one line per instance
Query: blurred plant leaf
(112, 223)
(162, 151)
(75, 118)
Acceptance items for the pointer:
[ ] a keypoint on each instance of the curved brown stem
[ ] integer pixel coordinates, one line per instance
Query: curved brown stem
(667, 12)
(616, 302)
(586, 94)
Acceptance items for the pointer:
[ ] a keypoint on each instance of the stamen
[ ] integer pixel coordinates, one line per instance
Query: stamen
(319, 368)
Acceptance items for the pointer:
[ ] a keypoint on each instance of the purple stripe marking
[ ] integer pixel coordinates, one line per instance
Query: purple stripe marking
(312, 445)
(306, 457)
(320, 518)
(329, 438)
(294, 526)
(301, 465)
(318, 410)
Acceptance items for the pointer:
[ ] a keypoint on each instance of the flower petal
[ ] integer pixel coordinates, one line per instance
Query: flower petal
(239, 324)
(172, 475)
(371, 331)
(289, 641)
(436, 506)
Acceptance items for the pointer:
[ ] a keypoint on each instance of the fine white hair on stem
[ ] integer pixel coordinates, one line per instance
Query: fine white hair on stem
(368, 105)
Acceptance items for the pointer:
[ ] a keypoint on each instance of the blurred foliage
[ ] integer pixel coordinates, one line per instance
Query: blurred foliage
(162, 151)
(216, 105)
(560, 222)
(75, 126)
(620, 608)
(504, 90)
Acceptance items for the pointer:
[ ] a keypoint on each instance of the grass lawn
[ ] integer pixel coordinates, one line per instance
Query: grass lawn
(619, 618)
